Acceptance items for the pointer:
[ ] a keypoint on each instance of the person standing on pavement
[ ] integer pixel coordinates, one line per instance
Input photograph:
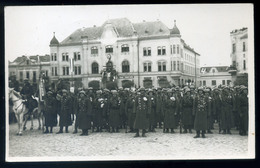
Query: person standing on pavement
(170, 111)
(152, 110)
(142, 113)
(83, 108)
(114, 112)
(200, 113)
(130, 104)
(243, 111)
(186, 106)
(65, 112)
(50, 112)
(76, 112)
(227, 108)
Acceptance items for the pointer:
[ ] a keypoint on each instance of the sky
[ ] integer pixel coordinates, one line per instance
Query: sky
(205, 27)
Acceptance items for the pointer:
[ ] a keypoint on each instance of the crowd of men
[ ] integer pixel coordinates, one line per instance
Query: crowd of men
(143, 110)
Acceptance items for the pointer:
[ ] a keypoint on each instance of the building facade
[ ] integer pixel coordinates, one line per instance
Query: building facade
(239, 53)
(29, 67)
(215, 76)
(146, 53)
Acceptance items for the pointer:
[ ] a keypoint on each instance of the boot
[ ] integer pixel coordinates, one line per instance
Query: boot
(83, 132)
(75, 131)
(137, 133)
(117, 130)
(51, 130)
(203, 134)
(228, 131)
(67, 129)
(209, 131)
(172, 130)
(224, 132)
(190, 131)
(185, 131)
(46, 131)
(143, 133)
(113, 129)
(167, 130)
(197, 135)
(60, 131)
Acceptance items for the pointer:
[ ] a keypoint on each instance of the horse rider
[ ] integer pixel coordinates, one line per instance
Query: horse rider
(26, 93)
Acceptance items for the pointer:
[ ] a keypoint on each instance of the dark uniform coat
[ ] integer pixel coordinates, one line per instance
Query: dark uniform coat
(152, 110)
(142, 113)
(114, 112)
(187, 105)
(130, 107)
(65, 111)
(159, 107)
(226, 113)
(50, 111)
(243, 111)
(98, 106)
(170, 110)
(27, 92)
(84, 113)
(200, 110)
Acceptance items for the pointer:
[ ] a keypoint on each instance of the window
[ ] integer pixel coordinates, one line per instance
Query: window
(52, 57)
(204, 83)
(94, 50)
(76, 56)
(173, 49)
(27, 62)
(124, 48)
(65, 70)
(109, 49)
(55, 57)
(213, 83)
(52, 71)
(34, 76)
(182, 67)
(234, 63)
(228, 82)
(161, 66)
(178, 48)
(181, 53)
(46, 73)
(125, 66)
(223, 82)
(233, 48)
(149, 51)
(244, 46)
(21, 76)
(65, 57)
(94, 68)
(56, 71)
(174, 65)
(244, 64)
(28, 74)
(147, 67)
(77, 70)
(159, 51)
(178, 65)
(144, 51)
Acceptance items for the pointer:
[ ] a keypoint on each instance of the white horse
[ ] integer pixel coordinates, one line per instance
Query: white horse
(21, 111)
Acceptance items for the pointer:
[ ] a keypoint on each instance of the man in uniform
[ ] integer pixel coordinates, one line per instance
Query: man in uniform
(75, 112)
(50, 112)
(142, 113)
(186, 106)
(114, 111)
(243, 111)
(152, 110)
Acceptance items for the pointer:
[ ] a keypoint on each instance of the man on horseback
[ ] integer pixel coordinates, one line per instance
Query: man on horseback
(27, 93)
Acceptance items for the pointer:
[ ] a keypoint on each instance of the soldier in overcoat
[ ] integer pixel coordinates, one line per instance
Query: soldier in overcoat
(130, 107)
(65, 112)
(114, 112)
(76, 111)
(84, 113)
(226, 112)
(99, 103)
(142, 113)
(209, 110)
(170, 111)
(159, 106)
(50, 112)
(186, 106)
(200, 112)
(152, 110)
(243, 111)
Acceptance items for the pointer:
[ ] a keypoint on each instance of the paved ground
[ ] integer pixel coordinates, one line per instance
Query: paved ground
(123, 146)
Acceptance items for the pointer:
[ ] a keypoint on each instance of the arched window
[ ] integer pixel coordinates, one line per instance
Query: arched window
(94, 68)
(125, 66)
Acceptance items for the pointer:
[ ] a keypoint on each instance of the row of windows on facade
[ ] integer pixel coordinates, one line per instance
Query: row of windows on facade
(27, 75)
(161, 50)
(235, 64)
(147, 67)
(214, 82)
(234, 47)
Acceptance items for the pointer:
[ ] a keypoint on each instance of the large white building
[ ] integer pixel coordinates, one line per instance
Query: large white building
(147, 53)
(239, 53)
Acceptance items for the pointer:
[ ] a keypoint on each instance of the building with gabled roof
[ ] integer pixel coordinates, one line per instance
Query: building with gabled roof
(148, 53)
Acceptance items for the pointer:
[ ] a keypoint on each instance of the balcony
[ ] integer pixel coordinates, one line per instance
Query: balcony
(232, 69)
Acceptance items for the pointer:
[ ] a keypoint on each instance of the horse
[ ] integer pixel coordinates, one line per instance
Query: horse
(21, 111)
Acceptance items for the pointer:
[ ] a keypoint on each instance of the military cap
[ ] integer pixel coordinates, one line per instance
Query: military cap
(126, 89)
(82, 92)
(187, 90)
(99, 91)
(80, 88)
(120, 88)
(177, 87)
(192, 87)
(64, 91)
(243, 88)
(164, 89)
(49, 92)
(200, 88)
(142, 89)
(206, 90)
(90, 88)
(169, 91)
(150, 90)
(26, 79)
(106, 90)
(113, 91)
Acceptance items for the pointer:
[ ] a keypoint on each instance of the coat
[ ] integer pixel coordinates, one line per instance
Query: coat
(152, 110)
(159, 107)
(170, 110)
(98, 111)
(243, 112)
(186, 116)
(130, 107)
(114, 112)
(50, 111)
(83, 108)
(226, 117)
(65, 111)
(200, 110)
(142, 113)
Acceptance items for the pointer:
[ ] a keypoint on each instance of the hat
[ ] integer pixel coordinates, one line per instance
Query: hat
(113, 91)
(26, 79)
(200, 88)
(82, 92)
(150, 90)
(106, 90)
(120, 88)
(243, 88)
(206, 90)
(64, 91)
(169, 91)
(49, 92)
(90, 88)
(80, 88)
(142, 89)
(99, 91)
(187, 90)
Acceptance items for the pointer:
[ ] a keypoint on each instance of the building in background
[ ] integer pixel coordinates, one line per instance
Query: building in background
(147, 53)
(215, 76)
(29, 67)
(239, 55)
